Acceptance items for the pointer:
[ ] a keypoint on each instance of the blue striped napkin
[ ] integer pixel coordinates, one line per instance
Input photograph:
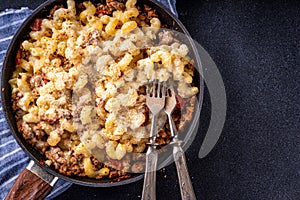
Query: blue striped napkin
(12, 159)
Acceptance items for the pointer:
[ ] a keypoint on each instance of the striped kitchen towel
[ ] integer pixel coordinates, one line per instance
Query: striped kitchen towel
(12, 159)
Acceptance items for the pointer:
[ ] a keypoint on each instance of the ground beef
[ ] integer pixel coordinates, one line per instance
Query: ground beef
(64, 114)
(123, 177)
(55, 8)
(162, 138)
(97, 165)
(79, 7)
(115, 5)
(18, 57)
(27, 132)
(92, 39)
(187, 115)
(109, 8)
(151, 13)
(146, 114)
(138, 167)
(71, 166)
(146, 13)
(166, 37)
(15, 101)
(36, 80)
(36, 25)
(21, 54)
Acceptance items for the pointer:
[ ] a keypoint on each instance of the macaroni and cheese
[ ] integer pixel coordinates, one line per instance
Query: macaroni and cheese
(79, 87)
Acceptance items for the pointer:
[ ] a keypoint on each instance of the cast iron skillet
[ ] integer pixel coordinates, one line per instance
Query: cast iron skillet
(37, 182)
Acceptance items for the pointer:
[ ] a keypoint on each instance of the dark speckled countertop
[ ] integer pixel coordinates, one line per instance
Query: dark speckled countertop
(256, 46)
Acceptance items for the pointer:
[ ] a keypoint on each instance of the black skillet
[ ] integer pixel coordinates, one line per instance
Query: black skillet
(37, 180)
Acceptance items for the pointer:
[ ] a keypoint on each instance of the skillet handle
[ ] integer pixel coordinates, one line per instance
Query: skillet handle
(32, 183)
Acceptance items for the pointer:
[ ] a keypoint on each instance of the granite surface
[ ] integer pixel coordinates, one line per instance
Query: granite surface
(256, 46)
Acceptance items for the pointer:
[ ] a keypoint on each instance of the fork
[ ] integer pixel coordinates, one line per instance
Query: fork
(185, 184)
(155, 100)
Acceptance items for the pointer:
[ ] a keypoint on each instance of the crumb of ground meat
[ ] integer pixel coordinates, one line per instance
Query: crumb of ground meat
(52, 11)
(138, 157)
(102, 10)
(146, 114)
(138, 167)
(15, 101)
(18, 57)
(162, 138)
(150, 12)
(113, 174)
(166, 37)
(115, 5)
(79, 7)
(64, 113)
(142, 16)
(19, 113)
(187, 115)
(115, 164)
(162, 133)
(92, 39)
(126, 165)
(36, 80)
(162, 141)
(27, 132)
(109, 8)
(146, 14)
(126, 176)
(97, 165)
(37, 24)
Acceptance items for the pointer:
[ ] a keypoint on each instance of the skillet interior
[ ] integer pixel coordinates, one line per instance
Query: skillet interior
(8, 68)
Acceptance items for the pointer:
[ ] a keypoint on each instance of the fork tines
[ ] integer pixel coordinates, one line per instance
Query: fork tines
(156, 88)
